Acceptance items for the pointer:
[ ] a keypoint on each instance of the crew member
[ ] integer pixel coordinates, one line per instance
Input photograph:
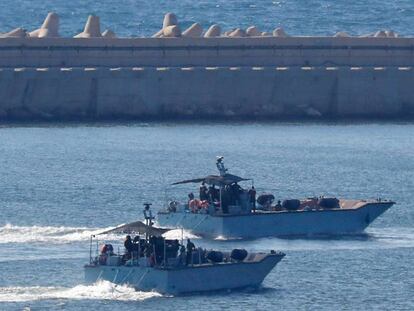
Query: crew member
(136, 239)
(190, 249)
(136, 246)
(190, 198)
(213, 194)
(182, 257)
(128, 244)
(278, 206)
(148, 215)
(203, 192)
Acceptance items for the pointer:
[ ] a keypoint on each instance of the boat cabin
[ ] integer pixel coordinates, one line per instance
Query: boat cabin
(218, 194)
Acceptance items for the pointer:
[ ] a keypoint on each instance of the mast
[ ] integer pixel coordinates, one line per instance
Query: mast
(222, 170)
(220, 166)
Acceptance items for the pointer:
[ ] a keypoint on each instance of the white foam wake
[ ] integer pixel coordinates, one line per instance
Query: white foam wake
(102, 290)
(374, 238)
(26, 234)
(178, 234)
(393, 237)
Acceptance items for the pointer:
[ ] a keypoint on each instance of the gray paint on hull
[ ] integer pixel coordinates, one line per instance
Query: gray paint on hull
(186, 279)
(320, 222)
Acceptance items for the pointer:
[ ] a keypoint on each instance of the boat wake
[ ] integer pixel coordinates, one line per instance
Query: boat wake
(102, 290)
(373, 238)
(392, 237)
(56, 235)
(177, 234)
(223, 238)
(61, 235)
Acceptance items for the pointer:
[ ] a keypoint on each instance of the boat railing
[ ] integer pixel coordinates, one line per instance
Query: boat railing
(198, 257)
(92, 258)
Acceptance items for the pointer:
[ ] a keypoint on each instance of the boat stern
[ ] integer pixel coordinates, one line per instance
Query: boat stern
(92, 273)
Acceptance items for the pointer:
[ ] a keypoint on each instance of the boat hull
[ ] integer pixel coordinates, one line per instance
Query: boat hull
(285, 223)
(182, 280)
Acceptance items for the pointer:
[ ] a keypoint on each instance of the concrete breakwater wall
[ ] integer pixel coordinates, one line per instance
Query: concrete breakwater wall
(219, 51)
(196, 74)
(205, 92)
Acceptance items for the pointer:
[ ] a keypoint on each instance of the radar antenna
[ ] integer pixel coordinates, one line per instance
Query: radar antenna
(220, 166)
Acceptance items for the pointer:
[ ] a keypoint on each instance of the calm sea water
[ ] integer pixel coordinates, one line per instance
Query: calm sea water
(59, 184)
(143, 18)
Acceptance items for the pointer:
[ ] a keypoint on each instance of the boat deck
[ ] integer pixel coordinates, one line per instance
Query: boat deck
(343, 205)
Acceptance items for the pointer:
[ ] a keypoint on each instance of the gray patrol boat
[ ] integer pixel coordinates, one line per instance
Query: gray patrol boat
(225, 209)
(166, 266)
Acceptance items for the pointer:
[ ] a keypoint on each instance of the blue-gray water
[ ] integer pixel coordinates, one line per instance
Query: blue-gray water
(59, 184)
(139, 18)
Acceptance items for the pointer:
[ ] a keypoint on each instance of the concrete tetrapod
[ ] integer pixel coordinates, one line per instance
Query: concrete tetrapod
(213, 31)
(342, 34)
(92, 28)
(158, 34)
(391, 34)
(172, 31)
(252, 31)
(170, 19)
(108, 34)
(49, 28)
(34, 33)
(279, 32)
(367, 35)
(380, 34)
(238, 33)
(228, 32)
(15, 33)
(195, 30)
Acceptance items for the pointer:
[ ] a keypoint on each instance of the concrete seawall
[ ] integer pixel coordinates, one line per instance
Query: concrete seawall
(222, 51)
(205, 92)
(267, 77)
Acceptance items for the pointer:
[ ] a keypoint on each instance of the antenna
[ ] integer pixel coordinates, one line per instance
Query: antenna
(220, 165)
(90, 248)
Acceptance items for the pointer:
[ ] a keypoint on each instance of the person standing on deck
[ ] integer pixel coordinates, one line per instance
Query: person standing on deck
(190, 249)
(203, 192)
(129, 247)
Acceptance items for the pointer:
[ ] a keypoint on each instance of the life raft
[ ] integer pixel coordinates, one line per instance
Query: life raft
(238, 254)
(329, 203)
(215, 256)
(291, 204)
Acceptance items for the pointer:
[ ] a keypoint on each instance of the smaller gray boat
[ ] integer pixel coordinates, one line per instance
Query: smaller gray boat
(165, 266)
